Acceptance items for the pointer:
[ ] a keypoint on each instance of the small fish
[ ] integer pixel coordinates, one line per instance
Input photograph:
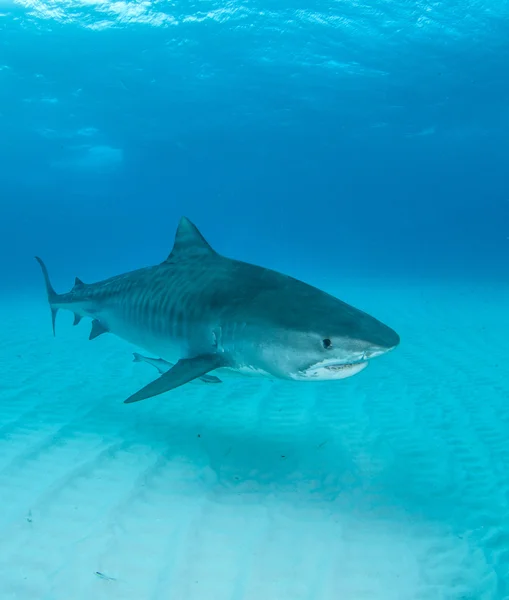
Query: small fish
(105, 577)
(164, 366)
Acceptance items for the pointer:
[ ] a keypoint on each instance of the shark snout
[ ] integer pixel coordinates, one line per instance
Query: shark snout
(389, 339)
(379, 340)
(375, 351)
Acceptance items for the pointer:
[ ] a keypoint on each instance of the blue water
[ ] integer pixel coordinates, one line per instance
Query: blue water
(347, 137)
(361, 147)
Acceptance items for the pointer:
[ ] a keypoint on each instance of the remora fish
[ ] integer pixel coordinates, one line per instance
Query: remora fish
(163, 366)
(204, 312)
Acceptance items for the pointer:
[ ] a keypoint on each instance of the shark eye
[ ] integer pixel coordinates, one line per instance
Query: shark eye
(327, 344)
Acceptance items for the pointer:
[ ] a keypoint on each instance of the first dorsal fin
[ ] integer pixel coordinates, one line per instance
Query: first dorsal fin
(189, 242)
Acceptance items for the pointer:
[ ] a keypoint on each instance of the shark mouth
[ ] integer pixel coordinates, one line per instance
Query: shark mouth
(325, 372)
(341, 367)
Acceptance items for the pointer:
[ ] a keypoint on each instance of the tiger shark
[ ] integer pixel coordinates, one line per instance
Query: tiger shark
(200, 311)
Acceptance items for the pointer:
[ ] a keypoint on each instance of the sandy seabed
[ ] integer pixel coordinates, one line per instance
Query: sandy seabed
(391, 485)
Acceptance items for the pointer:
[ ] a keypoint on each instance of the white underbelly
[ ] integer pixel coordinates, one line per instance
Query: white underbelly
(249, 371)
(165, 347)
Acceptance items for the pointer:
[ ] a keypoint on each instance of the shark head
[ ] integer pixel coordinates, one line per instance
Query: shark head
(335, 351)
(327, 345)
(305, 334)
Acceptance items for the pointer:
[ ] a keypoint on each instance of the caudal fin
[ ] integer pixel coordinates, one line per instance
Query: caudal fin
(52, 295)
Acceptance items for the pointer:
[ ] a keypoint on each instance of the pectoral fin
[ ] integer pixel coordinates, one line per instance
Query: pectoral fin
(185, 370)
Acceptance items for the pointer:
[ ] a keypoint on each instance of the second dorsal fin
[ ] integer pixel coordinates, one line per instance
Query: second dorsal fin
(189, 242)
(78, 284)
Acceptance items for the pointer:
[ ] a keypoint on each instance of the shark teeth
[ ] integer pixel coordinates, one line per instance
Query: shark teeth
(323, 372)
(340, 367)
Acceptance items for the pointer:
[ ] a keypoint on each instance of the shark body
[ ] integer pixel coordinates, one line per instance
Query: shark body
(201, 311)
